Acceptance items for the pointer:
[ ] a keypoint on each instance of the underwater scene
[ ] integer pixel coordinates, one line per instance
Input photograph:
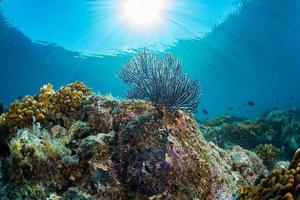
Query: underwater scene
(150, 100)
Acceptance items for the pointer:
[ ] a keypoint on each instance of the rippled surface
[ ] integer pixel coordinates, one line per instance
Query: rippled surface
(101, 27)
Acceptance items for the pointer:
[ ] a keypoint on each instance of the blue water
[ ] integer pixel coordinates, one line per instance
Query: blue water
(237, 52)
(101, 27)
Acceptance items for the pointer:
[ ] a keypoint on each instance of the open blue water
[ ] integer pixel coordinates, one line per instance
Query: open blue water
(239, 51)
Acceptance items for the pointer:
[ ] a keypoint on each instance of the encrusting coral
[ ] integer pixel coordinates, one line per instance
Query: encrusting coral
(112, 149)
(35, 149)
(282, 184)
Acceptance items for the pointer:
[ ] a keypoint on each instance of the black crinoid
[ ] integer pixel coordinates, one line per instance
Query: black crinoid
(160, 80)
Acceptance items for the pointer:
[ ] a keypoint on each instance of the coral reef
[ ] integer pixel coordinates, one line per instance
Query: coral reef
(48, 104)
(34, 152)
(268, 153)
(280, 128)
(282, 183)
(21, 113)
(161, 81)
(281, 164)
(94, 147)
(68, 98)
(244, 166)
(2, 119)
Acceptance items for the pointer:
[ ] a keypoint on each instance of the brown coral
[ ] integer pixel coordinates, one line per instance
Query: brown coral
(280, 184)
(69, 98)
(48, 102)
(22, 113)
(46, 93)
(268, 153)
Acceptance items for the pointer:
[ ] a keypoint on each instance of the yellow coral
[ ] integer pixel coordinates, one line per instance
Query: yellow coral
(22, 113)
(46, 94)
(69, 98)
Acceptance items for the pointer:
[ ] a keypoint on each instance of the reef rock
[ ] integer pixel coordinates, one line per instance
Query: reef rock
(279, 128)
(228, 131)
(241, 163)
(100, 148)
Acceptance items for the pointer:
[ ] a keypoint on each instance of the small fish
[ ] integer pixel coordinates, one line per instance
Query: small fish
(251, 103)
(205, 111)
(292, 98)
(20, 97)
(230, 108)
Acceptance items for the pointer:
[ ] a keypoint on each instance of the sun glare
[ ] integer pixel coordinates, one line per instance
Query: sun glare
(143, 12)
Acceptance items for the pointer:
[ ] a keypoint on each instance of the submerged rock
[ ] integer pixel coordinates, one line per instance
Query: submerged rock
(280, 128)
(108, 149)
(237, 167)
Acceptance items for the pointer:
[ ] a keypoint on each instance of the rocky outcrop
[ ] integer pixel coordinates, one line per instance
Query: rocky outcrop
(109, 149)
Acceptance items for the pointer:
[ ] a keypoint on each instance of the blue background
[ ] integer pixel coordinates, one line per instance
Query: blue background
(253, 55)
